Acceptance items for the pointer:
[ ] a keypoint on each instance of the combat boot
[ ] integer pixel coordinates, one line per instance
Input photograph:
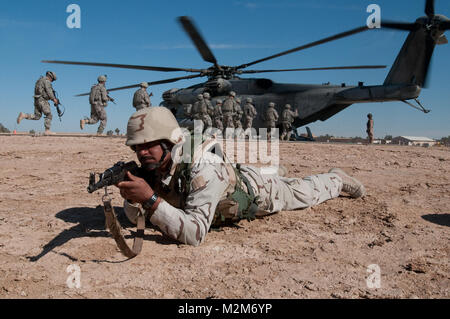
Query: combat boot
(82, 124)
(350, 184)
(21, 117)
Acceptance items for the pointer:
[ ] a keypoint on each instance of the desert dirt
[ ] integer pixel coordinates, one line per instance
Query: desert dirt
(48, 222)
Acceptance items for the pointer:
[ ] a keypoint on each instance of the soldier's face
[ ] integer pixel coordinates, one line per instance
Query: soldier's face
(149, 154)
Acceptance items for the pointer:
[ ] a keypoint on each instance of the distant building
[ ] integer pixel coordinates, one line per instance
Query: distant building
(413, 140)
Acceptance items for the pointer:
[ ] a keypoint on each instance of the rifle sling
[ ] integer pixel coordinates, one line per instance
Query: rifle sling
(116, 231)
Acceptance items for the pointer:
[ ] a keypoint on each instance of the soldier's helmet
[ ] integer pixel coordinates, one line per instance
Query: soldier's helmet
(101, 78)
(287, 106)
(369, 115)
(144, 85)
(232, 93)
(200, 97)
(219, 102)
(271, 104)
(153, 124)
(51, 74)
(206, 95)
(238, 100)
(249, 100)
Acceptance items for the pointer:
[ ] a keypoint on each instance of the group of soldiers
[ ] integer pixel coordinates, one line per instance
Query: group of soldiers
(229, 117)
(227, 114)
(98, 98)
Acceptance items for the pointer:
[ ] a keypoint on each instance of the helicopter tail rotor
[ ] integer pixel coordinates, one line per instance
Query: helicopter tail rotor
(413, 62)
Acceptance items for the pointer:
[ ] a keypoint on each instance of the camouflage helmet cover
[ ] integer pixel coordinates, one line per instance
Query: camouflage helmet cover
(249, 100)
(144, 84)
(200, 97)
(101, 78)
(52, 75)
(206, 95)
(288, 106)
(219, 102)
(153, 124)
(271, 104)
(232, 93)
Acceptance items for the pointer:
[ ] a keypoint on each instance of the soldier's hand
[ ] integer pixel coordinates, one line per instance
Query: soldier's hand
(56, 101)
(151, 94)
(135, 190)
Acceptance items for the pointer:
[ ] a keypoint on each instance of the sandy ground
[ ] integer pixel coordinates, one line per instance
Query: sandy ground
(48, 222)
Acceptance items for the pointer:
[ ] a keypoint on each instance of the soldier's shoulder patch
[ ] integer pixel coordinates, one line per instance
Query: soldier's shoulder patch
(198, 182)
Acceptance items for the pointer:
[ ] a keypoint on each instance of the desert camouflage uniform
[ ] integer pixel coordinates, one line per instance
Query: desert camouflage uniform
(287, 118)
(228, 112)
(218, 116)
(188, 221)
(250, 114)
(271, 118)
(237, 114)
(43, 92)
(141, 99)
(200, 112)
(98, 100)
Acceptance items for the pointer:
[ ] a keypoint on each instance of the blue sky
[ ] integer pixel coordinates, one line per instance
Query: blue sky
(147, 33)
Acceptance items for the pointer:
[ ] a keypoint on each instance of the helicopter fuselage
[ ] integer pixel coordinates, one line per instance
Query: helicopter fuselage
(314, 102)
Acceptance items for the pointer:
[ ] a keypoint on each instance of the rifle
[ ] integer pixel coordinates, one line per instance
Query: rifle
(60, 113)
(111, 99)
(112, 176)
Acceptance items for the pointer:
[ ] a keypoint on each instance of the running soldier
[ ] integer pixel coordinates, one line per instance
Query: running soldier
(271, 118)
(250, 114)
(200, 112)
(99, 100)
(43, 92)
(141, 97)
(228, 114)
(218, 116)
(287, 118)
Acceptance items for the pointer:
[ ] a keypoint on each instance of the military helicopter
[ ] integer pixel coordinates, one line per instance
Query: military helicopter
(404, 81)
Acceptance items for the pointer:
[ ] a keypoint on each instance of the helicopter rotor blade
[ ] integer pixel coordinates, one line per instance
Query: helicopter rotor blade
(150, 83)
(125, 66)
(320, 69)
(405, 26)
(429, 8)
(306, 46)
(198, 40)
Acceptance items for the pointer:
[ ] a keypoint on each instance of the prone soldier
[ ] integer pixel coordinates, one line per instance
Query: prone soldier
(287, 118)
(43, 92)
(184, 198)
(141, 97)
(98, 99)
